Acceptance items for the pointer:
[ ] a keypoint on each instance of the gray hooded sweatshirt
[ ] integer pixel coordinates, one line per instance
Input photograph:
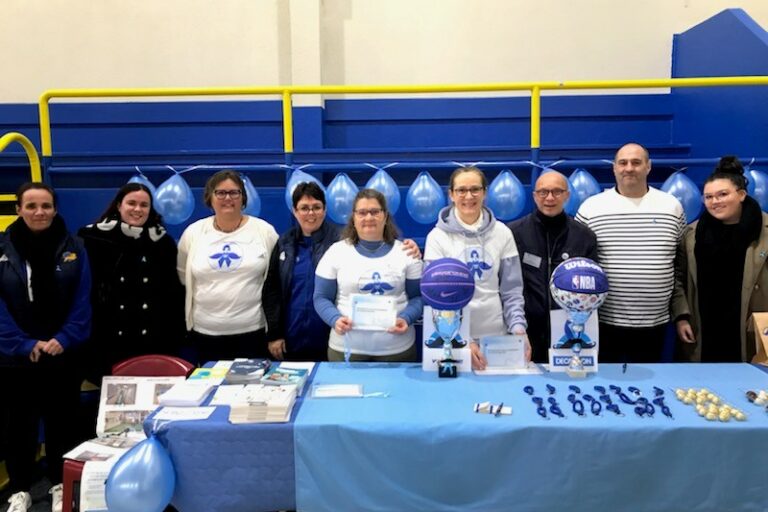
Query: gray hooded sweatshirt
(497, 307)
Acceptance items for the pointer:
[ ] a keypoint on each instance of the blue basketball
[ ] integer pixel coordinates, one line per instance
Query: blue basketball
(579, 284)
(447, 284)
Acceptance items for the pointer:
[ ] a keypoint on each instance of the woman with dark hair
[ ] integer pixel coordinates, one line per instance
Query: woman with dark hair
(368, 261)
(468, 231)
(721, 276)
(45, 314)
(223, 262)
(138, 302)
(295, 330)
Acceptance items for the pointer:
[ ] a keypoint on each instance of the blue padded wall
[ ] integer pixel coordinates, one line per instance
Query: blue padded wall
(720, 120)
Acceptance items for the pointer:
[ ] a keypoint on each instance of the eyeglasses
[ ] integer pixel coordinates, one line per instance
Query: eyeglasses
(462, 191)
(542, 193)
(221, 194)
(373, 212)
(720, 196)
(306, 210)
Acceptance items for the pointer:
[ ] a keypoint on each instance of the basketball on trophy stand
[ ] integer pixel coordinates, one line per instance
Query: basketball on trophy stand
(447, 287)
(579, 286)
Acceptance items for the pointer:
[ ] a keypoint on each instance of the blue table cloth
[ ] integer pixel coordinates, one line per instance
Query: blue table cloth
(423, 447)
(222, 467)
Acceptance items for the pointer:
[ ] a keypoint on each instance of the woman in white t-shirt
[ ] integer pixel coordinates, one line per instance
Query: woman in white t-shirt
(223, 263)
(368, 261)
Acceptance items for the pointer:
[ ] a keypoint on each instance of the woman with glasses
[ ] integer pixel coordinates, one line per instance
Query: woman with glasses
(138, 302)
(45, 316)
(469, 232)
(721, 276)
(368, 267)
(223, 262)
(295, 330)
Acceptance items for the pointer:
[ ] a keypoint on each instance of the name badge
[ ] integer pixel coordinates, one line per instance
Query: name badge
(532, 260)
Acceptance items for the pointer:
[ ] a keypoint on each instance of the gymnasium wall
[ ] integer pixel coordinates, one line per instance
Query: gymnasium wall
(78, 43)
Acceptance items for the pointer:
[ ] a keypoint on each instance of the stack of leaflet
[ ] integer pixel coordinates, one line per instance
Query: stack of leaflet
(189, 393)
(263, 404)
(247, 371)
(289, 373)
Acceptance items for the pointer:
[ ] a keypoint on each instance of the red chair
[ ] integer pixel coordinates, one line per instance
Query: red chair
(153, 365)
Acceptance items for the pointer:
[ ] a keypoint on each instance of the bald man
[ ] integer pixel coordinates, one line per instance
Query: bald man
(638, 228)
(545, 238)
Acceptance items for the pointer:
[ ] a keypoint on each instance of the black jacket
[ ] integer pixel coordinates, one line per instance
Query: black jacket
(276, 296)
(542, 248)
(138, 300)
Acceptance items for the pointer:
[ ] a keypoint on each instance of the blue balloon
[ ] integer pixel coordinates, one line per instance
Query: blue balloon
(384, 183)
(506, 196)
(340, 198)
(253, 208)
(425, 198)
(296, 178)
(582, 185)
(175, 201)
(757, 187)
(143, 180)
(142, 479)
(686, 191)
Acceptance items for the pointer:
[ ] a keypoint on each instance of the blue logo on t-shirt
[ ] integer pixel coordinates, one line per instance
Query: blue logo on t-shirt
(228, 258)
(376, 286)
(476, 265)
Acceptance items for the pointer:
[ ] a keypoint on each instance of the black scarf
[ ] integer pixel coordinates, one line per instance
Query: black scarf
(40, 251)
(720, 251)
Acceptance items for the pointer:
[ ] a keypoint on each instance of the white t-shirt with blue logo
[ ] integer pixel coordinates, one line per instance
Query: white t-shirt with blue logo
(227, 276)
(355, 273)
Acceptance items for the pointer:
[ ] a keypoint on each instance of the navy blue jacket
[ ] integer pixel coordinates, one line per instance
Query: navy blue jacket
(18, 329)
(542, 249)
(276, 296)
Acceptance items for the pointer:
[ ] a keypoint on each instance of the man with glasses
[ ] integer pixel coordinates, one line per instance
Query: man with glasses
(638, 228)
(545, 238)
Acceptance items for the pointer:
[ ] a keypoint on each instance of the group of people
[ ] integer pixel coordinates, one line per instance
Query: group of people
(73, 306)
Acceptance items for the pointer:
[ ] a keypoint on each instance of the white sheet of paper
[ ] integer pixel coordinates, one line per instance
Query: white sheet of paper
(93, 484)
(337, 391)
(184, 413)
(504, 351)
(372, 312)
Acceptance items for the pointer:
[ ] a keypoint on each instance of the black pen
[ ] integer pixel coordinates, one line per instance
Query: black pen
(498, 411)
(624, 368)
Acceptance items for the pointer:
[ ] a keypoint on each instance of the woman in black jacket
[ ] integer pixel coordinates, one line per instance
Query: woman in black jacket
(138, 301)
(45, 315)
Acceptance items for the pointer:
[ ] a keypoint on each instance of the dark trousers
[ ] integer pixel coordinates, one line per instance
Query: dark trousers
(202, 348)
(49, 391)
(630, 344)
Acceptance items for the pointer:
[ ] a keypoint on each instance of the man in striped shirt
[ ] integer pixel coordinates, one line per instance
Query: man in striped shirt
(637, 228)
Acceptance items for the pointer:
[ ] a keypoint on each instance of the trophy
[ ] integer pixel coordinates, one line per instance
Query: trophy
(579, 286)
(447, 323)
(447, 286)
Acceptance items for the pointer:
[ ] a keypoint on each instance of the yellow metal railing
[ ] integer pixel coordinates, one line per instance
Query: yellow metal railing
(287, 92)
(34, 167)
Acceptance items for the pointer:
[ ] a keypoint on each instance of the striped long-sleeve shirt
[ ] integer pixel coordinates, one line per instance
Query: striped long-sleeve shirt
(636, 242)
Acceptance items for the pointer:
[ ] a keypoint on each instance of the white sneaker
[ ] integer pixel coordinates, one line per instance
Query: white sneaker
(20, 502)
(57, 497)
